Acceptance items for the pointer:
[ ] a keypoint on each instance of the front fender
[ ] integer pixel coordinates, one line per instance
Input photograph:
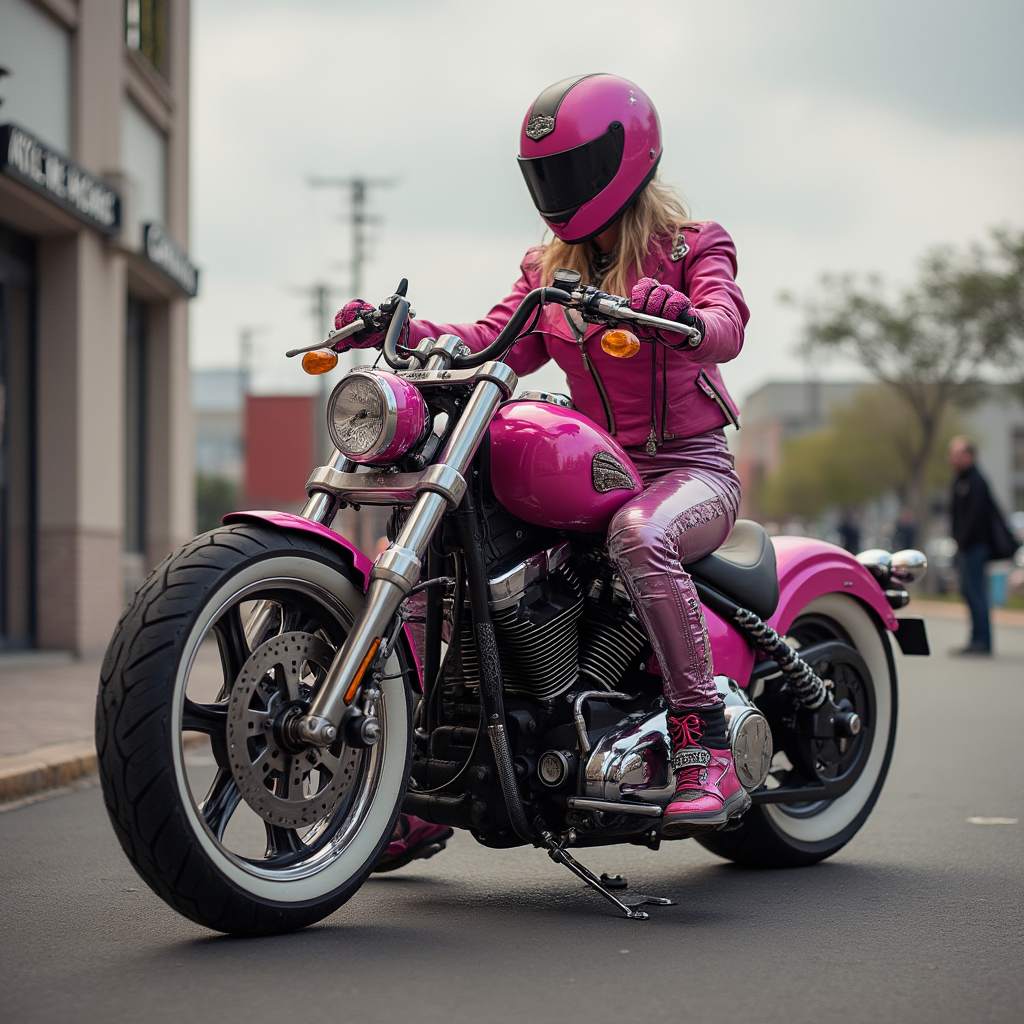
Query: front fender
(361, 565)
(287, 521)
(809, 568)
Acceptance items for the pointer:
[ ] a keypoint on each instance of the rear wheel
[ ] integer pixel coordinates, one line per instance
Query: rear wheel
(800, 833)
(219, 815)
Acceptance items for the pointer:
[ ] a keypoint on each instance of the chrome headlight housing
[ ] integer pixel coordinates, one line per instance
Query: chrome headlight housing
(375, 417)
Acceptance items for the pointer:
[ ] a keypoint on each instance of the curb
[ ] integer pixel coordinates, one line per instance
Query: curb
(45, 768)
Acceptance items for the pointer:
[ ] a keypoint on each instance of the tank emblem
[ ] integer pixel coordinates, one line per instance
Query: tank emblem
(539, 125)
(609, 474)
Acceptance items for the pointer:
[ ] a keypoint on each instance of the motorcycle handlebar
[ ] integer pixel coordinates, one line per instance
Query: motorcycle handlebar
(590, 301)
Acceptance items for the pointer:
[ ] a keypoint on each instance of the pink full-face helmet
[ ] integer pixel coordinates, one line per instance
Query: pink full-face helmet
(588, 148)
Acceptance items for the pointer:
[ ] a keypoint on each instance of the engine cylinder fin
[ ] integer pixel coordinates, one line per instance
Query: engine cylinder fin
(538, 659)
(610, 643)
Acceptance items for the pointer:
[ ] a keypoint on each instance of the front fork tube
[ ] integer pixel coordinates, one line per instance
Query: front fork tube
(397, 570)
(320, 508)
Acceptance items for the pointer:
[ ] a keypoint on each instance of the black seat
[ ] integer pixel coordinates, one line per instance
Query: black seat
(743, 568)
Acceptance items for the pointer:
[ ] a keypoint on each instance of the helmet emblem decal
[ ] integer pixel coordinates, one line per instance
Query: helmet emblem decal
(540, 125)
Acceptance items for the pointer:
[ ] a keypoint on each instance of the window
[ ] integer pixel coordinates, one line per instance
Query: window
(35, 93)
(146, 31)
(144, 161)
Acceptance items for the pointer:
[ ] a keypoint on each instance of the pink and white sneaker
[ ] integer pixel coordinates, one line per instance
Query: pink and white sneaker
(413, 839)
(708, 793)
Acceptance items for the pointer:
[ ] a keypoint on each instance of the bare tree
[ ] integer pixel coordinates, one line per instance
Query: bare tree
(960, 325)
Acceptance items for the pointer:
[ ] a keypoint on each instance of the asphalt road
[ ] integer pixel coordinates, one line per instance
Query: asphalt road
(920, 918)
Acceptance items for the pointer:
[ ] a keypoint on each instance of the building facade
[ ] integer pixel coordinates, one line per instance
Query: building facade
(95, 440)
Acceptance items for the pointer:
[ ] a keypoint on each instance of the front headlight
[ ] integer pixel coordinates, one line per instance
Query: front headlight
(375, 417)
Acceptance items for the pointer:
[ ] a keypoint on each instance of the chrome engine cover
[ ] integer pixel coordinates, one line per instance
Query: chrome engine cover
(631, 763)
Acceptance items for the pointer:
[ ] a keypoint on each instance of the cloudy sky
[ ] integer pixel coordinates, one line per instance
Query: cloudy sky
(824, 135)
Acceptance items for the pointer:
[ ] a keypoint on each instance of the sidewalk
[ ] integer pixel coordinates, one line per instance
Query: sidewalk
(46, 729)
(956, 610)
(48, 701)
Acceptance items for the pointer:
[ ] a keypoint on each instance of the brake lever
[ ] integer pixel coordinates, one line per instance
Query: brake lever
(332, 336)
(597, 307)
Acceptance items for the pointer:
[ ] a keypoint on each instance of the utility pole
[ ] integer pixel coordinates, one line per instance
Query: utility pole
(320, 294)
(358, 190)
(245, 354)
(370, 523)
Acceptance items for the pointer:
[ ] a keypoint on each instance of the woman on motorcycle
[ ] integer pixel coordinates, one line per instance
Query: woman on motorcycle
(589, 150)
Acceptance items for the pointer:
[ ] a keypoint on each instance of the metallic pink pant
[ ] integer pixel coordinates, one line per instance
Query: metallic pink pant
(686, 510)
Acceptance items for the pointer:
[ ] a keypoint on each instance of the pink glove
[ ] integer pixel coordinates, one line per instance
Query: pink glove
(662, 301)
(361, 339)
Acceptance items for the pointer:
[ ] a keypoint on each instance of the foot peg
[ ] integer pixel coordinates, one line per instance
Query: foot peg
(558, 853)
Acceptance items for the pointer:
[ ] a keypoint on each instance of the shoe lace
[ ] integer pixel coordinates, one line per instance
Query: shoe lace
(685, 732)
(688, 778)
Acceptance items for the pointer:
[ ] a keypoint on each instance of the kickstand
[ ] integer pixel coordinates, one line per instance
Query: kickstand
(558, 853)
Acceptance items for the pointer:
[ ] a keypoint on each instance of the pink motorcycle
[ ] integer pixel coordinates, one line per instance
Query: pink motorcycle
(264, 716)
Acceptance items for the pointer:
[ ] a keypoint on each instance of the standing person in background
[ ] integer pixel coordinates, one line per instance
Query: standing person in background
(970, 504)
(849, 531)
(905, 534)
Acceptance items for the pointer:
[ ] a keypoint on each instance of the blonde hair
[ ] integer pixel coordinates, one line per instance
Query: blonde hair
(657, 212)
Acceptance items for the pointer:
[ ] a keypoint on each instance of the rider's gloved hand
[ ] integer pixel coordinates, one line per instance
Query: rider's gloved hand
(365, 338)
(665, 302)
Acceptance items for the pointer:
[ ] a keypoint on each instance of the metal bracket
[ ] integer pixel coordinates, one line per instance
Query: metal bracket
(557, 852)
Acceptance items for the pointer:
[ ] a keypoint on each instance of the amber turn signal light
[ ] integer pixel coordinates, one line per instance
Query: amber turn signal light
(621, 344)
(350, 693)
(320, 361)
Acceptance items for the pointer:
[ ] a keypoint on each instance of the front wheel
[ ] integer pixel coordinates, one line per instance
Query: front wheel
(228, 824)
(779, 835)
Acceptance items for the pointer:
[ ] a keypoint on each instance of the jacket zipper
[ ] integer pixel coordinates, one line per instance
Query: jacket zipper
(579, 334)
(709, 389)
(599, 384)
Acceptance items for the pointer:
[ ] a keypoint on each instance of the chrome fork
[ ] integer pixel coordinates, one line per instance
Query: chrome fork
(397, 569)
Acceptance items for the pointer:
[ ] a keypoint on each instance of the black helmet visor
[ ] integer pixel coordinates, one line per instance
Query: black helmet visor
(561, 183)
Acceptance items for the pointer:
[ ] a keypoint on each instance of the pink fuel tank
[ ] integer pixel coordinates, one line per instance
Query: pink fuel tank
(553, 467)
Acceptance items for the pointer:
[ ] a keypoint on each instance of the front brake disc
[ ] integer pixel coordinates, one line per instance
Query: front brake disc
(283, 787)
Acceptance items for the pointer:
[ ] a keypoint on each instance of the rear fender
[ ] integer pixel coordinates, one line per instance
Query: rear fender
(360, 564)
(809, 568)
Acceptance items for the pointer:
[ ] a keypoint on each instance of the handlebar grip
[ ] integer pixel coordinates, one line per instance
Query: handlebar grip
(618, 307)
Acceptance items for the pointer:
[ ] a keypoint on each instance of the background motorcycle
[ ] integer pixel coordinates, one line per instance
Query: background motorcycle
(263, 715)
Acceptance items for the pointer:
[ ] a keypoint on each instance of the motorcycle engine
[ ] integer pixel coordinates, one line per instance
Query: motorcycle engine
(631, 762)
(555, 632)
(535, 608)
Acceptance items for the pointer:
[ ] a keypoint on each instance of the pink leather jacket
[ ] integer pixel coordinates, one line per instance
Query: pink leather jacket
(659, 394)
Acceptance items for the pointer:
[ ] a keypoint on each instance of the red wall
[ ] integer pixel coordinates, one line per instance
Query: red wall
(279, 450)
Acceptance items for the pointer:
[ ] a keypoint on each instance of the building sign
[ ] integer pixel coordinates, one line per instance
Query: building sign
(27, 160)
(162, 251)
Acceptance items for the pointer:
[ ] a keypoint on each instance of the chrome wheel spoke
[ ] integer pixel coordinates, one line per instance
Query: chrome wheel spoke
(220, 803)
(210, 719)
(232, 644)
(282, 842)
